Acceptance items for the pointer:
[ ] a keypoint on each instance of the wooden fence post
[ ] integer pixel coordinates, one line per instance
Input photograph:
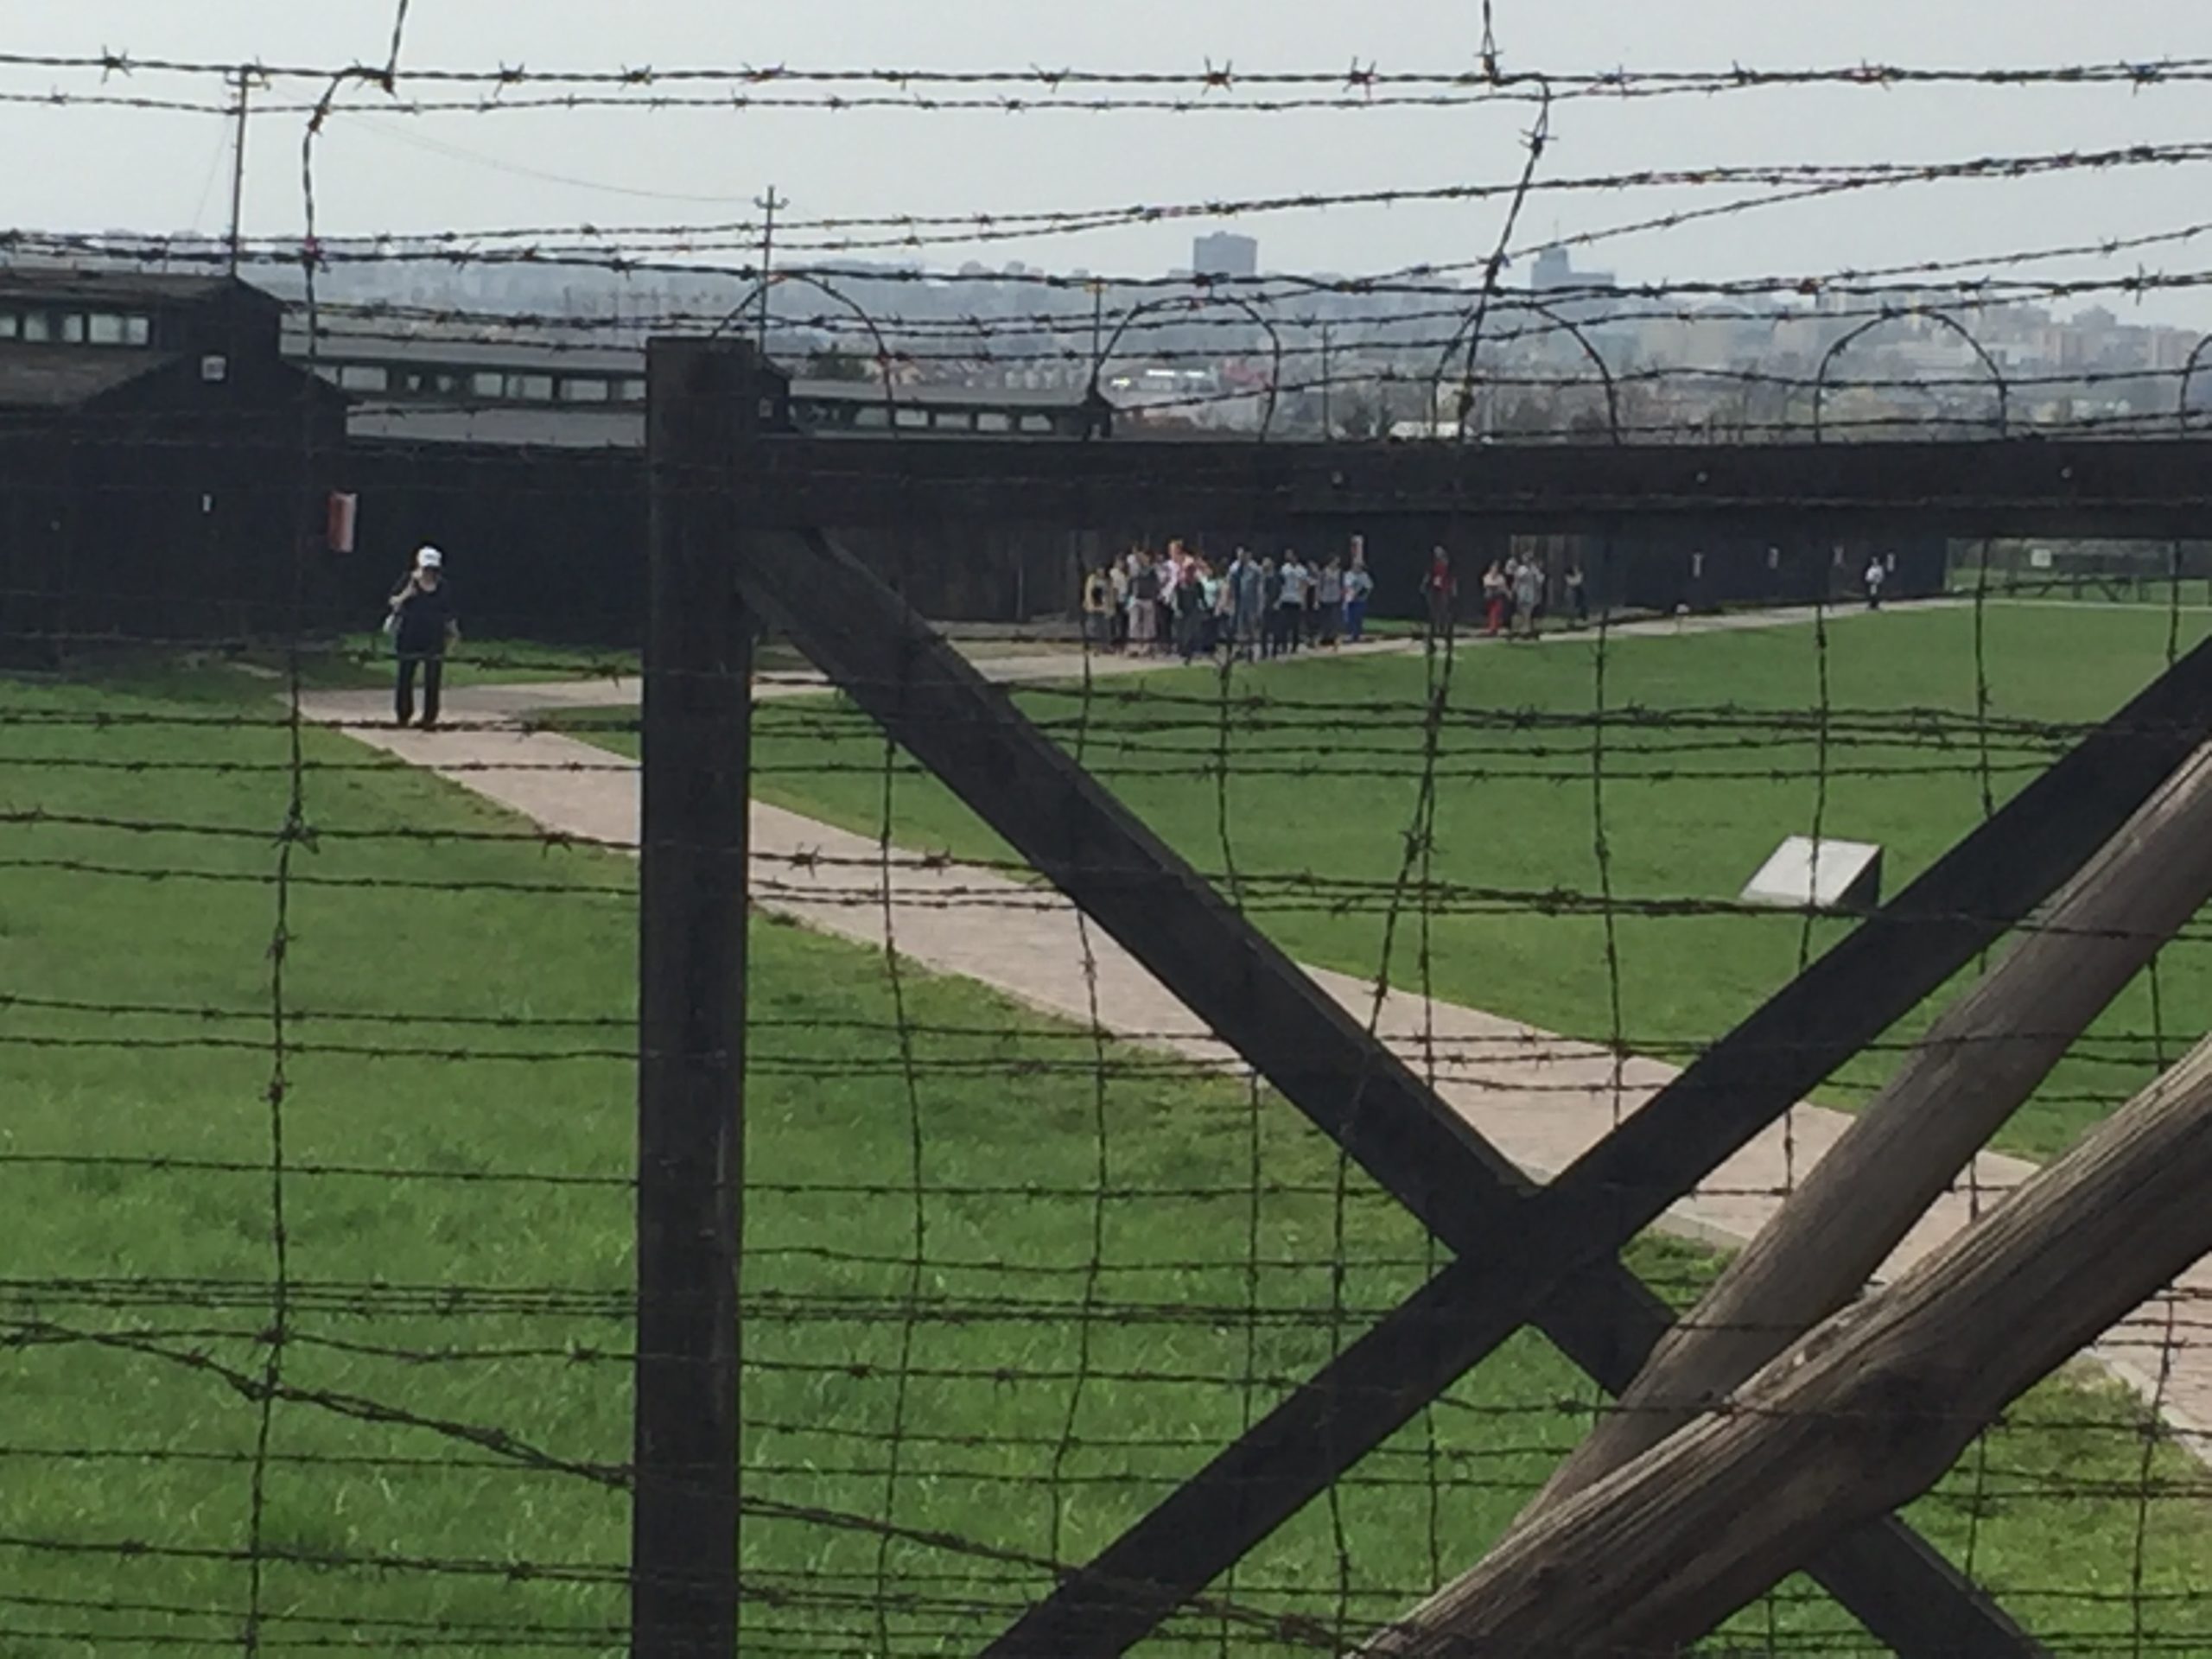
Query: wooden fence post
(1526, 1256)
(1864, 1413)
(692, 839)
(1962, 1081)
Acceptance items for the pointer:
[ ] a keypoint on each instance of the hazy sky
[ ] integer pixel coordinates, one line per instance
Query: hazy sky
(379, 170)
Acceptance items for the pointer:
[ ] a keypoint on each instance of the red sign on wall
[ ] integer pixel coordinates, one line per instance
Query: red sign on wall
(344, 510)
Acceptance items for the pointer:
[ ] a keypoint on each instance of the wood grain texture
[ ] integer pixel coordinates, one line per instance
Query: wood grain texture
(1973, 1068)
(693, 835)
(1864, 1414)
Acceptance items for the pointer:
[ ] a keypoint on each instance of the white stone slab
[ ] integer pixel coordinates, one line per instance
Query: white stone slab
(1827, 875)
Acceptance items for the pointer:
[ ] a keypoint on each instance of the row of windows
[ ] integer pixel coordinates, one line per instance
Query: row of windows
(490, 385)
(875, 417)
(40, 325)
(528, 386)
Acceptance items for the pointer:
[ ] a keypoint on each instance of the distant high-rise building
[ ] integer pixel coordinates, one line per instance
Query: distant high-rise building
(1555, 270)
(1586, 295)
(1225, 254)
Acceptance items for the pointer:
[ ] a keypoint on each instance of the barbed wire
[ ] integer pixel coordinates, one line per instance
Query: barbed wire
(1485, 75)
(919, 231)
(321, 1324)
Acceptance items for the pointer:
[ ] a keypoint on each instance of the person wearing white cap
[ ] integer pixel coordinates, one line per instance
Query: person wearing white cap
(423, 626)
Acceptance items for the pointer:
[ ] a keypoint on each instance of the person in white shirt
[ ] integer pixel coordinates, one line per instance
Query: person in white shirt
(1359, 585)
(1527, 584)
(1877, 574)
(1296, 576)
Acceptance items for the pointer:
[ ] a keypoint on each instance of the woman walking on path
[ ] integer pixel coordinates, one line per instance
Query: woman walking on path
(1144, 605)
(1296, 579)
(1097, 612)
(1493, 600)
(1169, 572)
(1193, 605)
(1357, 586)
(1578, 593)
(1329, 601)
(1442, 588)
(423, 626)
(1528, 597)
(1248, 601)
(1271, 584)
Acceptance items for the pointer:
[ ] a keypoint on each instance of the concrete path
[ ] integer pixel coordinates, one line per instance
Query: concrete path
(1044, 664)
(1541, 1099)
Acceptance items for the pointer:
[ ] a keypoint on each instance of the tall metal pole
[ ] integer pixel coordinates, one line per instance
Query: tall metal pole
(703, 401)
(767, 205)
(1328, 424)
(244, 81)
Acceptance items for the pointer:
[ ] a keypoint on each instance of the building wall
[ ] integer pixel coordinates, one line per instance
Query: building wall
(544, 544)
(195, 524)
(553, 544)
(185, 524)
(1684, 566)
(1225, 253)
(36, 533)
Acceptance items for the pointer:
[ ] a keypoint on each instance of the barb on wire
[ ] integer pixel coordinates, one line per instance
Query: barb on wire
(2000, 420)
(652, 82)
(338, 1203)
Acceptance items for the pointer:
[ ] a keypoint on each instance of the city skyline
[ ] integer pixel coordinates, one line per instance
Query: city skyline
(379, 169)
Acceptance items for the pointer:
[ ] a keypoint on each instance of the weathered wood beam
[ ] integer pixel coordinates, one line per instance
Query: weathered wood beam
(691, 901)
(1848, 997)
(1968, 1074)
(971, 735)
(1903, 1590)
(1864, 1414)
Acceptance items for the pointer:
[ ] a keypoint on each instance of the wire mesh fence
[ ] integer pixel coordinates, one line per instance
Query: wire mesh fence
(322, 1028)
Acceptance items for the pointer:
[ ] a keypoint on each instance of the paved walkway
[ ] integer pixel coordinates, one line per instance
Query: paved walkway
(1047, 663)
(1541, 1099)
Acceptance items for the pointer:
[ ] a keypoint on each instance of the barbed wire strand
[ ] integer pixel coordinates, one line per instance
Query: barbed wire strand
(1059, 1317)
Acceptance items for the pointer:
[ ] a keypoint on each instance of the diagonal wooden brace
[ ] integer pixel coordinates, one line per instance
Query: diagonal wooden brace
(1866, 1409)
(1554, 1250)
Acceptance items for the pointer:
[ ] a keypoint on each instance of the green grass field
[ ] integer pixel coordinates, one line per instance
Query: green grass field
(1323, 760)
(994, 1290)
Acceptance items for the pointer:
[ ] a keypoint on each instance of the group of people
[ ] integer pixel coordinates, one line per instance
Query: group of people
(1178, 603)
(1181, 604)
(1515, 592)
